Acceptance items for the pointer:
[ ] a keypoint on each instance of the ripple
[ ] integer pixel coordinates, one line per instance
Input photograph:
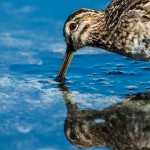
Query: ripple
(116, 72)
(145, 68)
(132, 88)
(24, 129)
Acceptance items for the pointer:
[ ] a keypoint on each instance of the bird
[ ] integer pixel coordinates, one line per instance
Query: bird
(122, 28)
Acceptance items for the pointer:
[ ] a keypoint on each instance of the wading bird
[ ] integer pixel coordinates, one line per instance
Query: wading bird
(123, 28)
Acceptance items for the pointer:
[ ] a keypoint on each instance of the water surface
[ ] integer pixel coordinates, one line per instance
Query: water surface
(33, 107)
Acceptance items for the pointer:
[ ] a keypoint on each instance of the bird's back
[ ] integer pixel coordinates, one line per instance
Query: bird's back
(128, 22)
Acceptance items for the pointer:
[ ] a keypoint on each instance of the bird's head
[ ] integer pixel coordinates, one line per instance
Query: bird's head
(80, 29)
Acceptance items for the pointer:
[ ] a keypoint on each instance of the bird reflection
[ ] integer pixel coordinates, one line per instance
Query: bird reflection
(122, 126)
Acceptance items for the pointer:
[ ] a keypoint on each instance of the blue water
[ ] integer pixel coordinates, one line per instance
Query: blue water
(32, 108)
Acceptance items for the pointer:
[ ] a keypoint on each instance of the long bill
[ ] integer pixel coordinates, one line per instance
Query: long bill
(65, 65)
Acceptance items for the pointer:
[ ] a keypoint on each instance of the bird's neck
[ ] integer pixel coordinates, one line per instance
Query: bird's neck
(99, 34)
(102, 34)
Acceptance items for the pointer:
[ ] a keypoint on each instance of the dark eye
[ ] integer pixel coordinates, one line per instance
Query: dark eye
(73, 136)
(72, 26)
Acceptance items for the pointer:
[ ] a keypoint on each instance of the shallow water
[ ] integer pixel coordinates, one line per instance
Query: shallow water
(32, 105)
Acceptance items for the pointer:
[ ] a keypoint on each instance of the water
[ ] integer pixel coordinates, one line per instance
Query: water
(32, 105)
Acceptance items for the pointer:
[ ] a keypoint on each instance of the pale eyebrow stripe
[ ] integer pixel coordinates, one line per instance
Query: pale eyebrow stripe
(79, 30)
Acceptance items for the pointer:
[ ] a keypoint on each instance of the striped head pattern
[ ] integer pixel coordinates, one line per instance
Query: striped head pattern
(79, 28)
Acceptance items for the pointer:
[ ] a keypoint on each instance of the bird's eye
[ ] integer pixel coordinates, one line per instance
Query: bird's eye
(73, 26)
(73, 136)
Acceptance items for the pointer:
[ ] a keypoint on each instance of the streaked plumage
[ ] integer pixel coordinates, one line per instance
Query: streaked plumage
(123, 28)
(122, 126)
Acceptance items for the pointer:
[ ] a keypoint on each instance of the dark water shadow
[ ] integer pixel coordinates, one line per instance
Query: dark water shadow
(122, 126)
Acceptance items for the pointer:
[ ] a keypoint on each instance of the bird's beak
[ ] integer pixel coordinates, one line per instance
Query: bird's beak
(65, 64)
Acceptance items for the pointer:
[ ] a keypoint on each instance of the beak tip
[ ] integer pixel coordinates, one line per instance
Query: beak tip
(60, 79)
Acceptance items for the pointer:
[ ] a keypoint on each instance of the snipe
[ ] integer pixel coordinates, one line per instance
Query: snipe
(123, 28)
